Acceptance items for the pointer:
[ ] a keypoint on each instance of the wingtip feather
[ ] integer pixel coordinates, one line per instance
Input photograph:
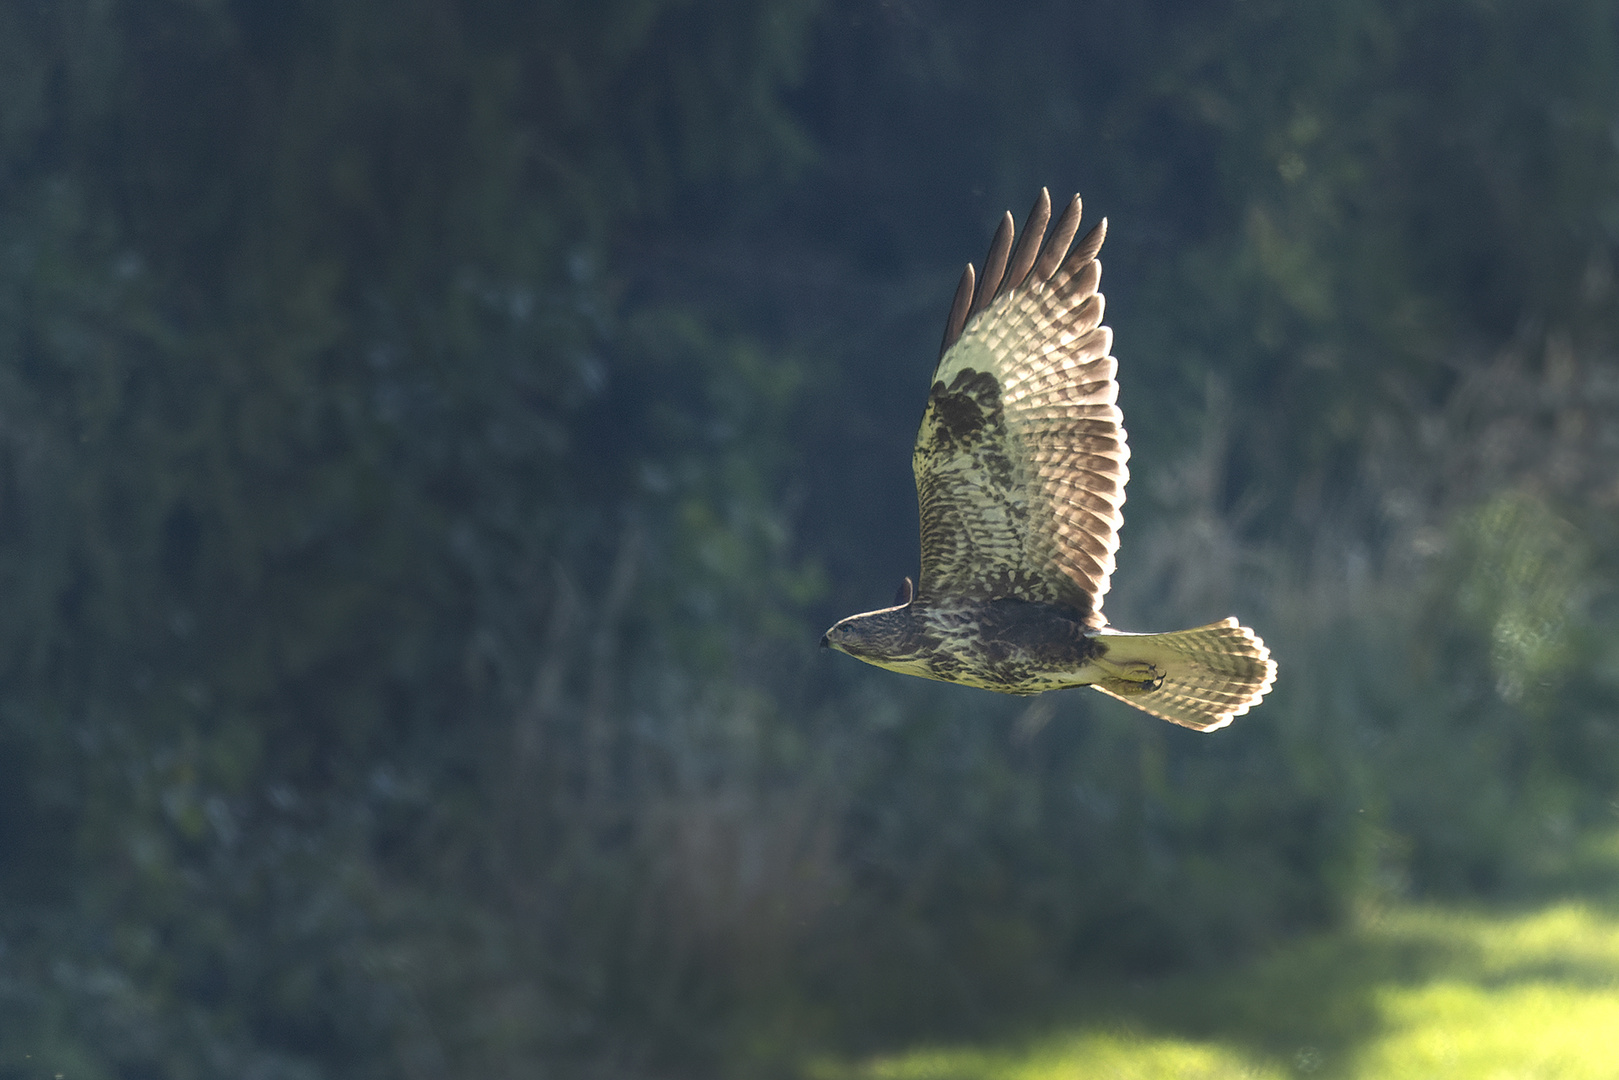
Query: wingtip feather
(1028, 249)
(1000, 248)
(958, 310)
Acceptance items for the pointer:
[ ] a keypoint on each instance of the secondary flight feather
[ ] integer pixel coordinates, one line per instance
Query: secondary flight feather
(1020, 469)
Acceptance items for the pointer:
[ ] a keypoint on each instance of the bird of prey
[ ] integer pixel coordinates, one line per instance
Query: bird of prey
(1020, 474)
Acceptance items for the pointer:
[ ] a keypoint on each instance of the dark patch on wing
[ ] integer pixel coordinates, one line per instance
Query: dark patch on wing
(971, 487)
(963, 410)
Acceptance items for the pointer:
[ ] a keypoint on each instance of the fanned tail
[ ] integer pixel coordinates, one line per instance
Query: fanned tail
(1209, 675)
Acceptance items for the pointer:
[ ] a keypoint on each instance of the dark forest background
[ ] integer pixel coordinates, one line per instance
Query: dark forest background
(434, 434)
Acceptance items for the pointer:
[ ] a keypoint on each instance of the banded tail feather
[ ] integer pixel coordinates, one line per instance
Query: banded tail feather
(1210, 675)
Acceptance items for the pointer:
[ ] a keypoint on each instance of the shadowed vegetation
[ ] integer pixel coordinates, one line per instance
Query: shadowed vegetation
(1408, 991)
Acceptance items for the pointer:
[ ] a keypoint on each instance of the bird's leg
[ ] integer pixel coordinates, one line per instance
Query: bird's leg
(1130, 677)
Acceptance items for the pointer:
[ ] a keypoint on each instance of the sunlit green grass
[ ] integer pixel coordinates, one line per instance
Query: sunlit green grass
(1409, 992)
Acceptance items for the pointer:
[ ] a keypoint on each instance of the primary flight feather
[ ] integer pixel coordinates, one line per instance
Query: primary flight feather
(1020, 471)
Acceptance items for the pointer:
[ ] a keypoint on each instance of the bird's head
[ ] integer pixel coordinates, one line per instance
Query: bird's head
(877, 637)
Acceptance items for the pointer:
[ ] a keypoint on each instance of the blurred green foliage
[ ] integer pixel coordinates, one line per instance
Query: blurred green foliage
(433, 435)
(1413, 991)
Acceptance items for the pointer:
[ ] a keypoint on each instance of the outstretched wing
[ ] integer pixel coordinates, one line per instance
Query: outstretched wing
(1020, 461)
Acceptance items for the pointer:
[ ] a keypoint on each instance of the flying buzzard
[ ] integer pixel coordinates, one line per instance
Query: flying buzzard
(1020, 474)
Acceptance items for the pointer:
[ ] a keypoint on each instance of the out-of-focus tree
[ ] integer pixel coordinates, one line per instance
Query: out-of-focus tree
(318, 408)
